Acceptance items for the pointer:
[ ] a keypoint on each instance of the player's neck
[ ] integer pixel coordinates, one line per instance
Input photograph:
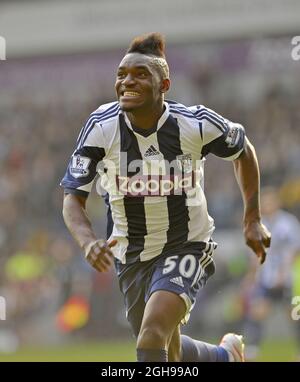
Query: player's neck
(146, 119)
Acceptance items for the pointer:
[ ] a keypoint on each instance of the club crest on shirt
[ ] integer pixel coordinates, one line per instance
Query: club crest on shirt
(185, 162)
(79, 167)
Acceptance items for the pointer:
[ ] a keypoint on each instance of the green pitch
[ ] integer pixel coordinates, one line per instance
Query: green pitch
(83, 352)
(271, 351)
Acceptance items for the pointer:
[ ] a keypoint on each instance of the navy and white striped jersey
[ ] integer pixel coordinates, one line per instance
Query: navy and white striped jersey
(153, 178)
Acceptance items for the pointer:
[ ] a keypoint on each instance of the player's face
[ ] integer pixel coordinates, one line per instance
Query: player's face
(138, 84)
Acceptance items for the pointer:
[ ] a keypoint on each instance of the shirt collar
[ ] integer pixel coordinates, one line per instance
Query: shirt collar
(160, 122)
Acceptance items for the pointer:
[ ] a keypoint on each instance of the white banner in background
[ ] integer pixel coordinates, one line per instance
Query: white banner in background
(48, 27)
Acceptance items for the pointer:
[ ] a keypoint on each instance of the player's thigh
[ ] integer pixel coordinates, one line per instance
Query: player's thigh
(182, 272)
(133, 280)
(163, 312)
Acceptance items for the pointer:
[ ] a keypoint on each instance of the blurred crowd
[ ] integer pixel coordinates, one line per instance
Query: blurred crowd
(42, 272)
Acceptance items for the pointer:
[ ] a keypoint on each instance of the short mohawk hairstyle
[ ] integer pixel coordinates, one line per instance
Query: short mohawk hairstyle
(149, 44)
(152, 44)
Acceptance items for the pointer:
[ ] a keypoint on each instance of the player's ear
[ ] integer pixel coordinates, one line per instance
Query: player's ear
(165, 85)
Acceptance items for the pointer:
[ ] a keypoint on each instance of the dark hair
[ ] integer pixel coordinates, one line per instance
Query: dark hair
(150, 44)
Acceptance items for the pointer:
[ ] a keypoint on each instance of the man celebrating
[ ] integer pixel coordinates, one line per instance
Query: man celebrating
(150, 154)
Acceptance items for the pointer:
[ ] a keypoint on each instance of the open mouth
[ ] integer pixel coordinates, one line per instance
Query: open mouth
(130, 94)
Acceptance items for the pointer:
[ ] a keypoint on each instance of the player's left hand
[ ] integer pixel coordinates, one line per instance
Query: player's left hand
(258, 238)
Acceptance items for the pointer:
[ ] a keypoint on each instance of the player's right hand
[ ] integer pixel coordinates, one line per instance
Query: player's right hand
(99, 254)
(258, 238)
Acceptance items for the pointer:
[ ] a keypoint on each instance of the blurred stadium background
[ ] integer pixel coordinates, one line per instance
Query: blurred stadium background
(233, 56)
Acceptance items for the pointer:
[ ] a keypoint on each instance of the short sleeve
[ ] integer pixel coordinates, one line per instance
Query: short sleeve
(82, 168)
(220, 136)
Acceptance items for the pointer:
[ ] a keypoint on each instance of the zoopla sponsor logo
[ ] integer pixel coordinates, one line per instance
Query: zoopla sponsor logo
(159, 185)
(2, 308)
(151, 178)
(2, 48)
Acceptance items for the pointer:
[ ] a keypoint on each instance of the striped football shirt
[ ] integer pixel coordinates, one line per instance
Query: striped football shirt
(152, 179)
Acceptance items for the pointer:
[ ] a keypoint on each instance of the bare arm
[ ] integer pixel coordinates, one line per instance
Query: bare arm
(257, 237)
(77, 221)
(97, 251)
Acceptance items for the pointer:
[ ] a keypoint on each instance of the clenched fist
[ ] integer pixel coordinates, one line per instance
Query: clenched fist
(258, 238)
(99, 254)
